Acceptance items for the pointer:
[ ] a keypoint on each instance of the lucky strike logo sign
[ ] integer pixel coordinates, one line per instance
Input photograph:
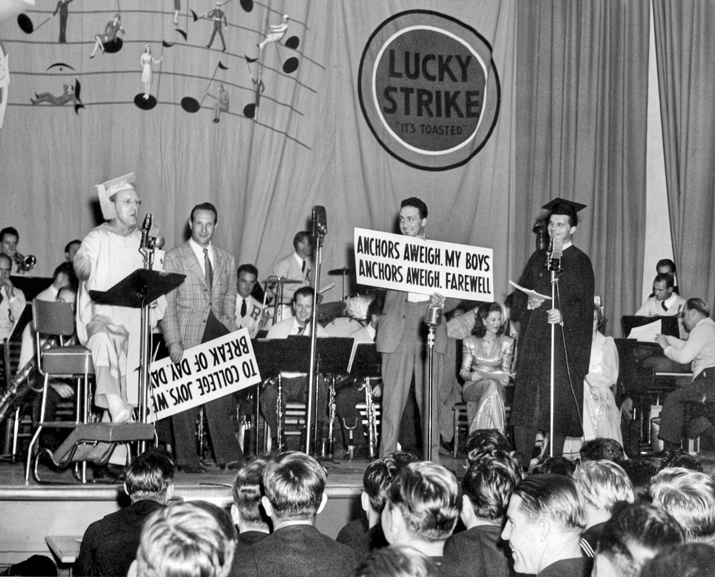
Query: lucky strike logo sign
(428, 89)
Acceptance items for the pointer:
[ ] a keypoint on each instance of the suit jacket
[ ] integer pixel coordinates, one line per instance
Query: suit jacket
(189, 303)
(300, 551)
(110, 545)
(479, 552)
(391, 326)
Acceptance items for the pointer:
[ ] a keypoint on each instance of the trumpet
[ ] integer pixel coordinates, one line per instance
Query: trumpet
(25, 263)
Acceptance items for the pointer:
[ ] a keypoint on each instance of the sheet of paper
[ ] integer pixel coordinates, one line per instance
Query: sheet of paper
(529, 292)
(646, 333)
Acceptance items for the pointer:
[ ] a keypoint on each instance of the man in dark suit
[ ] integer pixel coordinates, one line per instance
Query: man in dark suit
(294, 484)
(401, 338)
(201, 309)
(109, 546)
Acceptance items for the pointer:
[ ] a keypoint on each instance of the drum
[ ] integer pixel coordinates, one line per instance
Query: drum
(356, 306)
(342, 327)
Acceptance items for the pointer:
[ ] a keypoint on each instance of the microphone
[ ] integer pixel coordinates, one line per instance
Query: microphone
(434, 315)
(146, 227)
(320, 221)
(555, 253)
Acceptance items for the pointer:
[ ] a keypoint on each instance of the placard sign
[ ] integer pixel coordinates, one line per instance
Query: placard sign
(403, 263)
(206, 372)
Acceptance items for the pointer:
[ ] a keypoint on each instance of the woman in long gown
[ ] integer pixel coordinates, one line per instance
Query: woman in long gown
(601, 417)
(486, 351)
(146, 60)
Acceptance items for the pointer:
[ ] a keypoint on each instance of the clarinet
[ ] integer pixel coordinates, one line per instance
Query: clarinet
(331, 418)
(371, 418)
(279, 413)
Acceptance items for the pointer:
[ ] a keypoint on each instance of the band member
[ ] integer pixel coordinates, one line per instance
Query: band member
(248, 309)
(294, 385)
(401, 339)
(201, 309)
(297, 267)
(12, 300)
(572, 315)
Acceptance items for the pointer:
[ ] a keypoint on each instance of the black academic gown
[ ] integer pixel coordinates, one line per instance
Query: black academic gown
(574, 299)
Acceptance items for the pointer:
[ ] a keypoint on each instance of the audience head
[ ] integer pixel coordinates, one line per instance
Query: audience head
(487, 486)
(546, 514)
(681, 459)
(601, 449)
(294, 486)
(150, 476)
(690, 560)
(640, 472)
(689, 497)
(490, 314)
(396, 561)
(633, 535)
(247, 494)
(378, 476)
(71, 249)
(9, 237)
(603, 484)
(486, 441)
(557, 465)
(183, 540)
(423, 504)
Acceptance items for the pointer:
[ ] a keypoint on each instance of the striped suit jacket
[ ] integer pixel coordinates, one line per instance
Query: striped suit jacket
(189, 303)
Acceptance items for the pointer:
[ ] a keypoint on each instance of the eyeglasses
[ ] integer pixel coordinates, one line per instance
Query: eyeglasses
(130, 202)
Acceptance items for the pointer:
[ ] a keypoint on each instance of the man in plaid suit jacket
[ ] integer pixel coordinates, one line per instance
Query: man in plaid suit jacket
(202, 308)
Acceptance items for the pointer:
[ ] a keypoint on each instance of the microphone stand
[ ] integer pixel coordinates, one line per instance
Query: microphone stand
(554, 265)
(433, 319)
(321, 231)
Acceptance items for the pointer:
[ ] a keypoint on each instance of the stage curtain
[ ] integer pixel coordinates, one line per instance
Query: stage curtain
(685, 50)
(308, 144)
(581, 113)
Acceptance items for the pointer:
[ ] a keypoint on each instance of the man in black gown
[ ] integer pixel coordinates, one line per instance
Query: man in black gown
(572, 316)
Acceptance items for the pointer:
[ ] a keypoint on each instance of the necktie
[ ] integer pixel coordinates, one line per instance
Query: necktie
(208, 269)
(303, 267)
(243, 308)
(665, 308)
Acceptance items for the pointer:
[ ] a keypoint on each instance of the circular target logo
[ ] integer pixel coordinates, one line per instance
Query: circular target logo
(428, 89)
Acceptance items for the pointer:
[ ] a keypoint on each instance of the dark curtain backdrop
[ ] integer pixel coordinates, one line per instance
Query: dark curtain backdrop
(581, 117)
(685, 49)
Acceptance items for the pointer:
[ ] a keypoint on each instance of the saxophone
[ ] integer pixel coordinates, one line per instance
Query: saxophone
(23, 382)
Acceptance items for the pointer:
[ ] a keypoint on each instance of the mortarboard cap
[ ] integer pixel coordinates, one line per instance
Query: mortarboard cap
(567, 207)
(107, 189)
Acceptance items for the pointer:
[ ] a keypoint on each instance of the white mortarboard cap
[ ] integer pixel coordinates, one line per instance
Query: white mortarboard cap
(108, 189)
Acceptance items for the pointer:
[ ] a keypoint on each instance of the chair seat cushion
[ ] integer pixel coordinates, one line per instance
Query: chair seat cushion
(70, 360)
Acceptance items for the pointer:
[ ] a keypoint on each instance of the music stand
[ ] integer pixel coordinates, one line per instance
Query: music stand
(138, 291)
(367, 362)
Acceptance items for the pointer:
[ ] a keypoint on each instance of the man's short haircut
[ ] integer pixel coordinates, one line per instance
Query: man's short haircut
(248, 490)
(689, 560)
(416, 203)
(556, 465)
(149, 475)
(68, 246)
(489, 482)
(603, 484)
(689, 497)
(374, 308)
(380, 473)
(9, 230)
(294, 484)
(647, 527)
(396, 561)
(698, 305)
(640, 471)
(665, 277)
(553, 497)
(666, 262)
(67, 268)
(249, 268)
(602, 448)
(184, 540)
(304, 291)
(486, 441)
(429, 499)
(301, 236)
(205, 206)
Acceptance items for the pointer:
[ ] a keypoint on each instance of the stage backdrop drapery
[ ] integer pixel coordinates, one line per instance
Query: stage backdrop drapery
(685, 50)
(581, 117)
(308, 143)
